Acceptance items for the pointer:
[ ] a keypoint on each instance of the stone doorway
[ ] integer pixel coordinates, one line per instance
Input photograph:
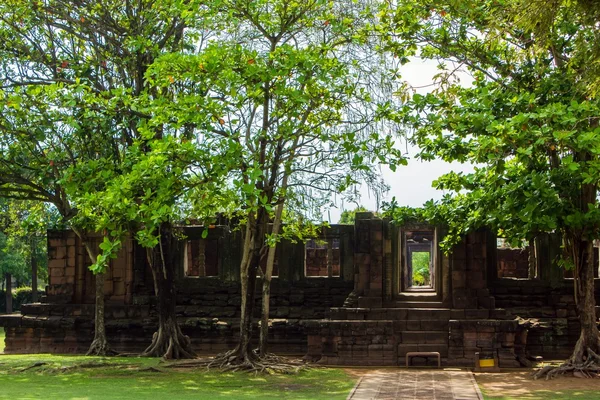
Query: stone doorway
(418, 261)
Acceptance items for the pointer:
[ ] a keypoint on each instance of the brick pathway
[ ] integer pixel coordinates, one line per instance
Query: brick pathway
(409, 384)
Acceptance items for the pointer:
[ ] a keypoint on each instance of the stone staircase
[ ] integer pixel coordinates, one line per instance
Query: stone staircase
(419, 327)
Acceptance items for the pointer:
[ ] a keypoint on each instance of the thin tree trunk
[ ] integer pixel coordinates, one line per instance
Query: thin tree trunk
(168, 341)
(243, 355)
(99, 346)
(266, 289)
(532, 259)
(583, 256)
(8, 293)
(34, 271)
(589, 337)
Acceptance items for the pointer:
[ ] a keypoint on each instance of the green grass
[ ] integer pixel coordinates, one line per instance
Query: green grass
(1, 340)
(62, 377)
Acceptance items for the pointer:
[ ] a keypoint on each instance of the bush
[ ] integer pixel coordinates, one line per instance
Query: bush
(20, 296)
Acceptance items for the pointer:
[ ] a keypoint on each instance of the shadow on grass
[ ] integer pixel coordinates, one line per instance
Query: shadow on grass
(125, 378)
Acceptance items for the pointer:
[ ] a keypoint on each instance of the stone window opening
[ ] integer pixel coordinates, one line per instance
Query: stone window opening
(322, 258)
(516, 262)
(201, 258)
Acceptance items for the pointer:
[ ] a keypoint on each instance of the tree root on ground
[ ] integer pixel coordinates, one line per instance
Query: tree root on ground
(590, 368)
(100, 348)
(36, 365)
(169, 347)
(232, 361)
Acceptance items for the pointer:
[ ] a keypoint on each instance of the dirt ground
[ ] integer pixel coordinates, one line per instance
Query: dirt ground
(519, 385)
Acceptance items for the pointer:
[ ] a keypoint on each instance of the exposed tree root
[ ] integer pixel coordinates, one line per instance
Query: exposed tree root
(150, 369)
(36, 365)
(590, 368)
(170, 347)
(100, 347)
(233, 361)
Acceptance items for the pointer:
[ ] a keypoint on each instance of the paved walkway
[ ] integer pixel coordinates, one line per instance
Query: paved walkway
(409, 384)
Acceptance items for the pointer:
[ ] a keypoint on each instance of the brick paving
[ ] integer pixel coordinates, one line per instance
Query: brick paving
(410, 384)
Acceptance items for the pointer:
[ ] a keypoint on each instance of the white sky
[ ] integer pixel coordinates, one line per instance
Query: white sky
(411, 184)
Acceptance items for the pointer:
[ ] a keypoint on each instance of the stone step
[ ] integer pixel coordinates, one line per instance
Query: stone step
(418, 296)
(421, 325)
(424, 337)
(417, 304)
(402, 314)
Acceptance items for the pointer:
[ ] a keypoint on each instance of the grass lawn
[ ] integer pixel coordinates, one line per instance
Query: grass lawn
(1, 340)
(72, 377)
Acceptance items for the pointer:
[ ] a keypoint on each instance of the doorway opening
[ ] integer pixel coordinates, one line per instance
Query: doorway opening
(419, 271)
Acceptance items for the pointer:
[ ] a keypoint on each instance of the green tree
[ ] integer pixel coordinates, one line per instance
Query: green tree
(348, 216)
(528, 124)
(71, 75)
(297, 105)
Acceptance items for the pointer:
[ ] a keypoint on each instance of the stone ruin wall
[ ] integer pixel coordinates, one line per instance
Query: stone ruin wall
(476, 291)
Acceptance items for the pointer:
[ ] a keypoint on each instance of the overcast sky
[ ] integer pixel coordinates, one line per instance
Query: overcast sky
(411, 184)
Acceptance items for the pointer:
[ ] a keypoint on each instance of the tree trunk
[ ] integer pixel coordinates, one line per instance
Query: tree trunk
(8, 293)
(532, 259)
(168, 341)
(583, 257)
(100, 346)
(34, 271)
(243, 355)
(266, 289)
(589, 337)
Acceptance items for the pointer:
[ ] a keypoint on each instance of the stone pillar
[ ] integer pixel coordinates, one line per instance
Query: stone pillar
(362, 256)
(548, 251)
(347, 254)
(201, 257)
(369, 260)
(376, 251)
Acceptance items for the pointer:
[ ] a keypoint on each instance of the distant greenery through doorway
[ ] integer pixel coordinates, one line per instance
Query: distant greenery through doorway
(420, 268)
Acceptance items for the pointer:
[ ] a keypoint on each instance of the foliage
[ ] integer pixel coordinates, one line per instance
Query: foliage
(420, 268)
(401, 215)
(528, 124)
(23, 226)
(524, 122)
(21, 295)
(541, 17)
(348, 216)
(130, 378)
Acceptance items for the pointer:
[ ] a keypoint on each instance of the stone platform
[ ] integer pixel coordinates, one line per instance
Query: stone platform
(407, 384)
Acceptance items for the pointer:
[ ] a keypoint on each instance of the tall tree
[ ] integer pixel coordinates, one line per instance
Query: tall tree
(299, 101)
(528, 124)
(144, 200)
(70, 73)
